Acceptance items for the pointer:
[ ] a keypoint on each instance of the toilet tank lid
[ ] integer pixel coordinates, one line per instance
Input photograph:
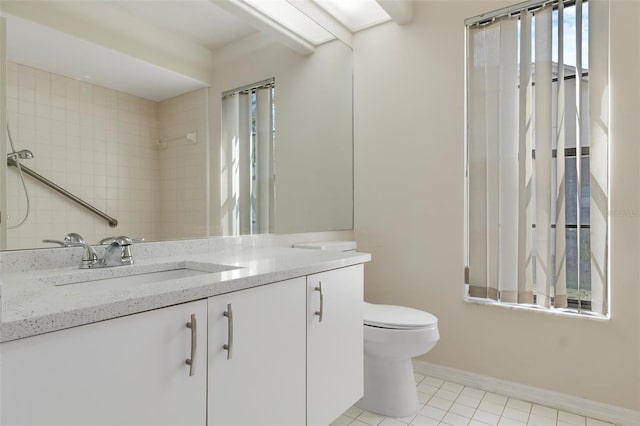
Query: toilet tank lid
(328, 245)
(391, 316)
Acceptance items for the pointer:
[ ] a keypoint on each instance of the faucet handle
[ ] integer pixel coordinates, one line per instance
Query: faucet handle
(126, 243)
(89, 257)
(107, 241)
(118, 253)
(61, 243)
(113, 254)
(124, 240)
(70, 240)
(120, 240)
(74, 238)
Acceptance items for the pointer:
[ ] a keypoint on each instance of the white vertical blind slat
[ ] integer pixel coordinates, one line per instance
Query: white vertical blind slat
(244, 165)
(264, 148)
(560, 281)
(578, 133)
(543, 138)
(492, 95)
(598, 140)
(508, 161)
(477, 165)
(229, 138)
(525, 220)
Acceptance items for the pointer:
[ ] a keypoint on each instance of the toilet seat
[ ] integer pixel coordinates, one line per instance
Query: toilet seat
(397, 317)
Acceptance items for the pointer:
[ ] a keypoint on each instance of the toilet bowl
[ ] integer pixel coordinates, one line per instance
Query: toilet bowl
(392, 336)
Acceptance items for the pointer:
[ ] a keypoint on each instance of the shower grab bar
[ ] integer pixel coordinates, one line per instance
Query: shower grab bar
(112, 222)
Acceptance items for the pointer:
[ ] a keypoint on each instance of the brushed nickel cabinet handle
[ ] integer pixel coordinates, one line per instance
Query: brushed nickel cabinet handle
(321, 311)
(194, 342)
(229, 346)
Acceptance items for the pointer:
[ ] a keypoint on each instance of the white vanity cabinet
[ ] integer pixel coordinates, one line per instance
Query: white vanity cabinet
(125, 371)
(334, 343)
(283, 353)
(275, 359)
(257, 356)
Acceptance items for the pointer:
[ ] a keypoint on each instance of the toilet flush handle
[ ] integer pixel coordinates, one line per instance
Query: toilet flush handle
(321, 311)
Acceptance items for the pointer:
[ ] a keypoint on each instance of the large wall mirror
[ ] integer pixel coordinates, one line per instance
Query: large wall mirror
(120, 103)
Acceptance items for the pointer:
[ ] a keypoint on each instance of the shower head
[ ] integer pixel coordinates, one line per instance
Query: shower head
(23, 154)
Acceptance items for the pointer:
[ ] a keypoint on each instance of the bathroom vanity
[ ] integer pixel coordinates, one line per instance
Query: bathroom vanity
(273, 338)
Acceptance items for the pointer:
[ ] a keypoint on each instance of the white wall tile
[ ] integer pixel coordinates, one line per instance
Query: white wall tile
(75, 141)
(182, 177)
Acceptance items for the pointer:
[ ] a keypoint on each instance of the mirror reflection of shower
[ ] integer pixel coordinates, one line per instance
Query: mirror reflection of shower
(13, 159)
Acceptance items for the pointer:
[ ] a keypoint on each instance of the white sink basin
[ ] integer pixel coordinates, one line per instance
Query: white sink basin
(146, 278)
(125, 276)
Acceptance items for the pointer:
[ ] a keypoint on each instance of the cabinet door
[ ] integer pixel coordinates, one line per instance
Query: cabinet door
(334, 343)
(125, 371)
(260, 379)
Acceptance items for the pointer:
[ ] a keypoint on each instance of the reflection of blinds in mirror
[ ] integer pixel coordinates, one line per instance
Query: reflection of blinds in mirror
(251, 88)
(247, 159)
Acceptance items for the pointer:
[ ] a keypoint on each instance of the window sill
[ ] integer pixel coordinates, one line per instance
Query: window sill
(564, 312)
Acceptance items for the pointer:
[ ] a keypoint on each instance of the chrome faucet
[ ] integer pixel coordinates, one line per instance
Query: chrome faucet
(73, 239)
(118, 253)
(89, 257)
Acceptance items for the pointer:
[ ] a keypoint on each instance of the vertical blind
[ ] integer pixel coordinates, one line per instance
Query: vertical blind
(247, 161)
(537, 156)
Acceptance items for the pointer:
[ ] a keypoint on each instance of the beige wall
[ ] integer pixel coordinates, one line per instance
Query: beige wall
(313, 150)
(409, 135)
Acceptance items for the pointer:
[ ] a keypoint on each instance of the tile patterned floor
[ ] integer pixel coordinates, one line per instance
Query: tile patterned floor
(450, 404)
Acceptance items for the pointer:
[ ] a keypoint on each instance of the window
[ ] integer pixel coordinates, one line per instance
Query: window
(247, 159)
(536, 181)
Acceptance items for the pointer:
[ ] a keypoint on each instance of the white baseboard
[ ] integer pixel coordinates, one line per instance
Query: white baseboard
(573, 404)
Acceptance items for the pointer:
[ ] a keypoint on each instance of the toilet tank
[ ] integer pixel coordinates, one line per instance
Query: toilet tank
(328, 245)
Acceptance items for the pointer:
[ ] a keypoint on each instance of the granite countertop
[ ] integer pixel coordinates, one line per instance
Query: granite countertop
(34, 302)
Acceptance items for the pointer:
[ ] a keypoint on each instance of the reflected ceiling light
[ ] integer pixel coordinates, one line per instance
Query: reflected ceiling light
(355, 14)
(290, 17)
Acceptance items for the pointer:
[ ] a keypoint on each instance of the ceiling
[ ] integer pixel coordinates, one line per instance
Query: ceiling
(172, 46)
(199, 20)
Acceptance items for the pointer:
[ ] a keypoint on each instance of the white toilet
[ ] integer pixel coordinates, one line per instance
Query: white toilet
(392, 336)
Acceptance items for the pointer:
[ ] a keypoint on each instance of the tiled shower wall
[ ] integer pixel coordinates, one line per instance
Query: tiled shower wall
(183, 165)
(99, 144)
